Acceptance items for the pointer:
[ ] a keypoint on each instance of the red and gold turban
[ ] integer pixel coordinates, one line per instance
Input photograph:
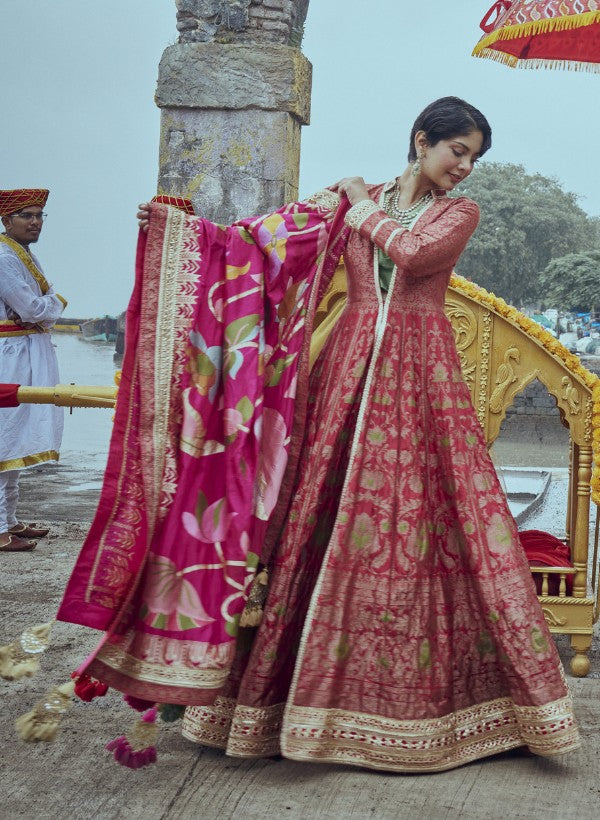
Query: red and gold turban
(11, 201)
(180, 202)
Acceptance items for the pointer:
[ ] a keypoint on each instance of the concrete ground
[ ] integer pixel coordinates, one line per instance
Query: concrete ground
(75, 776)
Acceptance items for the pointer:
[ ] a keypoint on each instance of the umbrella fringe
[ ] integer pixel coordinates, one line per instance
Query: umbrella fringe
(514, 62)
(565, 23)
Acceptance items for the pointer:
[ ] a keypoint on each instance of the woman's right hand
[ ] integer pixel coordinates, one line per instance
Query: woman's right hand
(143, 216)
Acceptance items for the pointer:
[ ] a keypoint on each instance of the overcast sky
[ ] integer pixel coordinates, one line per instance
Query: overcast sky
(78, 81)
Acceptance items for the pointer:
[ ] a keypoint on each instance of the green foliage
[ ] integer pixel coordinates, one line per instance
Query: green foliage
(527, 220)
(573, 281)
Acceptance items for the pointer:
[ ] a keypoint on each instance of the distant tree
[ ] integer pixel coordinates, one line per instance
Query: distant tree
(526, 221)
(595, 228)
(572, 282)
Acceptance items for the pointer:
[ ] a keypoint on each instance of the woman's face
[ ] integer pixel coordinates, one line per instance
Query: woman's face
(448, 162)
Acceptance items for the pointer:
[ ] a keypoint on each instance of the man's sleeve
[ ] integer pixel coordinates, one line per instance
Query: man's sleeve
(23, 300)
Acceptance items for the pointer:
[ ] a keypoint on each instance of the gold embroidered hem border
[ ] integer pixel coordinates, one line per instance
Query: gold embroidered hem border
(371, 741)
(244, 731)
(28, 461)
(337, 736)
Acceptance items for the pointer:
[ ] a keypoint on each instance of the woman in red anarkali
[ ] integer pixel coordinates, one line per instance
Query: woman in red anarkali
(401, 629)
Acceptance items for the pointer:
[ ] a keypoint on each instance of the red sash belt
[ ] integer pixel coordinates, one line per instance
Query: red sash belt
(10, 328)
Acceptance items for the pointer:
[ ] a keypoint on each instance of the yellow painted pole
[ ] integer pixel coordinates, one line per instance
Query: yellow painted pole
(70, 395)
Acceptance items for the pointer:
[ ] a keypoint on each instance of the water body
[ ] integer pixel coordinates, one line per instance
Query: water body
(87, 429)
(69, 490)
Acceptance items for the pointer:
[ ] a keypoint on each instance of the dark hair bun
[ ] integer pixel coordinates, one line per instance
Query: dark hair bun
(446, 118)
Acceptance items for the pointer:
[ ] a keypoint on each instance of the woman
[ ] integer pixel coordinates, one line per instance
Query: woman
(401, 630)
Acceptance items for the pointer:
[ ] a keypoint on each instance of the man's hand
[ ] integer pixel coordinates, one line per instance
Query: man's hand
(353, 187)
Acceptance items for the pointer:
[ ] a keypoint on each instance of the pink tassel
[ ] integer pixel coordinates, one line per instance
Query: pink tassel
(140, 749)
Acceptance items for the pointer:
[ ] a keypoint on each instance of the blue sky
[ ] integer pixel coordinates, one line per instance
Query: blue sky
(78, 83)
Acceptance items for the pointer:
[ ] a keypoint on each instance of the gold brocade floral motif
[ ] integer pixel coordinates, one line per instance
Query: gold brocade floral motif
(401, 627)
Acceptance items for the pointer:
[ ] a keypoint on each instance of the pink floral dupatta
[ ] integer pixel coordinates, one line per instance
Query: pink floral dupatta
(209, 414)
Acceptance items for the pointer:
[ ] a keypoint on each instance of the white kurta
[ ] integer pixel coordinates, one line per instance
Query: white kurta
(31, 433)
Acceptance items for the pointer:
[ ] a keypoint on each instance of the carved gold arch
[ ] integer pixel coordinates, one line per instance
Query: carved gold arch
(500, 355)
(499, 359)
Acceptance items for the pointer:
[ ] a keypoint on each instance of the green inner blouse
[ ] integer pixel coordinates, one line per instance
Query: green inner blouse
(386, 268)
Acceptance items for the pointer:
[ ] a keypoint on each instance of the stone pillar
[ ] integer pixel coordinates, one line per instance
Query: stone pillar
(234, 93)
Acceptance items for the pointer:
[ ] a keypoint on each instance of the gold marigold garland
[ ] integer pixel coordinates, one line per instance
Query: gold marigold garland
(553, 346)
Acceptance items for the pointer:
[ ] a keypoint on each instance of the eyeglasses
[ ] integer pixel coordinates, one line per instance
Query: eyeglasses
(29, 217)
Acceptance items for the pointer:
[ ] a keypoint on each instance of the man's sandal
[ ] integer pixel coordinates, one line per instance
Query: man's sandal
(16, 544)
(29, 531)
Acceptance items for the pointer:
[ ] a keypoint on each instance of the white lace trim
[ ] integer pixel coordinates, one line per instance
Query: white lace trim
(360, 212)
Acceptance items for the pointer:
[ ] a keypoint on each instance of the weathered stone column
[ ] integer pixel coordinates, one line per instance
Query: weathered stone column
(234, 93)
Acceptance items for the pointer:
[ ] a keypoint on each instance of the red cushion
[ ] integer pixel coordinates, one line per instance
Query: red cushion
(545, 550)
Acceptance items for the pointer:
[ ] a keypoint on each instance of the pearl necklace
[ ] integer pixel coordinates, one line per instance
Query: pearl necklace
(406, 215)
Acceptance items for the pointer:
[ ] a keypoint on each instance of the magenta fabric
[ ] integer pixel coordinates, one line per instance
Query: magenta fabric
(193, 476)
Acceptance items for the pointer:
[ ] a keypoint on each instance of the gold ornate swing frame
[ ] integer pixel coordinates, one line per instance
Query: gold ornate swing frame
(500, 355)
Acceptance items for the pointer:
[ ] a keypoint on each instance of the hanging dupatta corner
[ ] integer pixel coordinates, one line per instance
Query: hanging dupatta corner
(211, 397)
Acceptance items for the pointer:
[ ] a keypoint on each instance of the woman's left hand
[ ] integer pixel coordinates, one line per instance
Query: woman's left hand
(353, 187)
(143, 216)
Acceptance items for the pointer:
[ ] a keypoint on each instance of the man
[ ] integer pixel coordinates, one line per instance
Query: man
(29, 434)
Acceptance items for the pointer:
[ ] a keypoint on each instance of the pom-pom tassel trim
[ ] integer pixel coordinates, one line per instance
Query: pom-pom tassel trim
(139, 750)
(88, 688)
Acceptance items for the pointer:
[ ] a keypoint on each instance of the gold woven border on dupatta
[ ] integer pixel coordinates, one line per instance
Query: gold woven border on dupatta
(118, 536)
(169, 311)
(27, 260)
(169, 670)
(162, 299)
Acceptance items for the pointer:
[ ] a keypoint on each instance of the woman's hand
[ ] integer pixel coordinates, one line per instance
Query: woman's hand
(353, 187)
(143, 216)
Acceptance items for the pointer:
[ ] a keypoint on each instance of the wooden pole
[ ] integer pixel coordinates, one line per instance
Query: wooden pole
(69, 395)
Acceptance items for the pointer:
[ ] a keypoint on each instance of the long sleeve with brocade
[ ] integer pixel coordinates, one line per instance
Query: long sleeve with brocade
(419, 252)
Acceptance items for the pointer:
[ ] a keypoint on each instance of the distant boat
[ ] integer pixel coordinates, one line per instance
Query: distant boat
(120, 341)
(524, 488)
(102, 329)
(67, 325)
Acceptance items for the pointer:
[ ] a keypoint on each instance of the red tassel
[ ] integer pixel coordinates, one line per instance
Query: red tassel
(88, 688)
(139, 704)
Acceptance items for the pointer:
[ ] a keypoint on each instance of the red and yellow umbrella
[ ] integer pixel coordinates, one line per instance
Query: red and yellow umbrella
(542, 34)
